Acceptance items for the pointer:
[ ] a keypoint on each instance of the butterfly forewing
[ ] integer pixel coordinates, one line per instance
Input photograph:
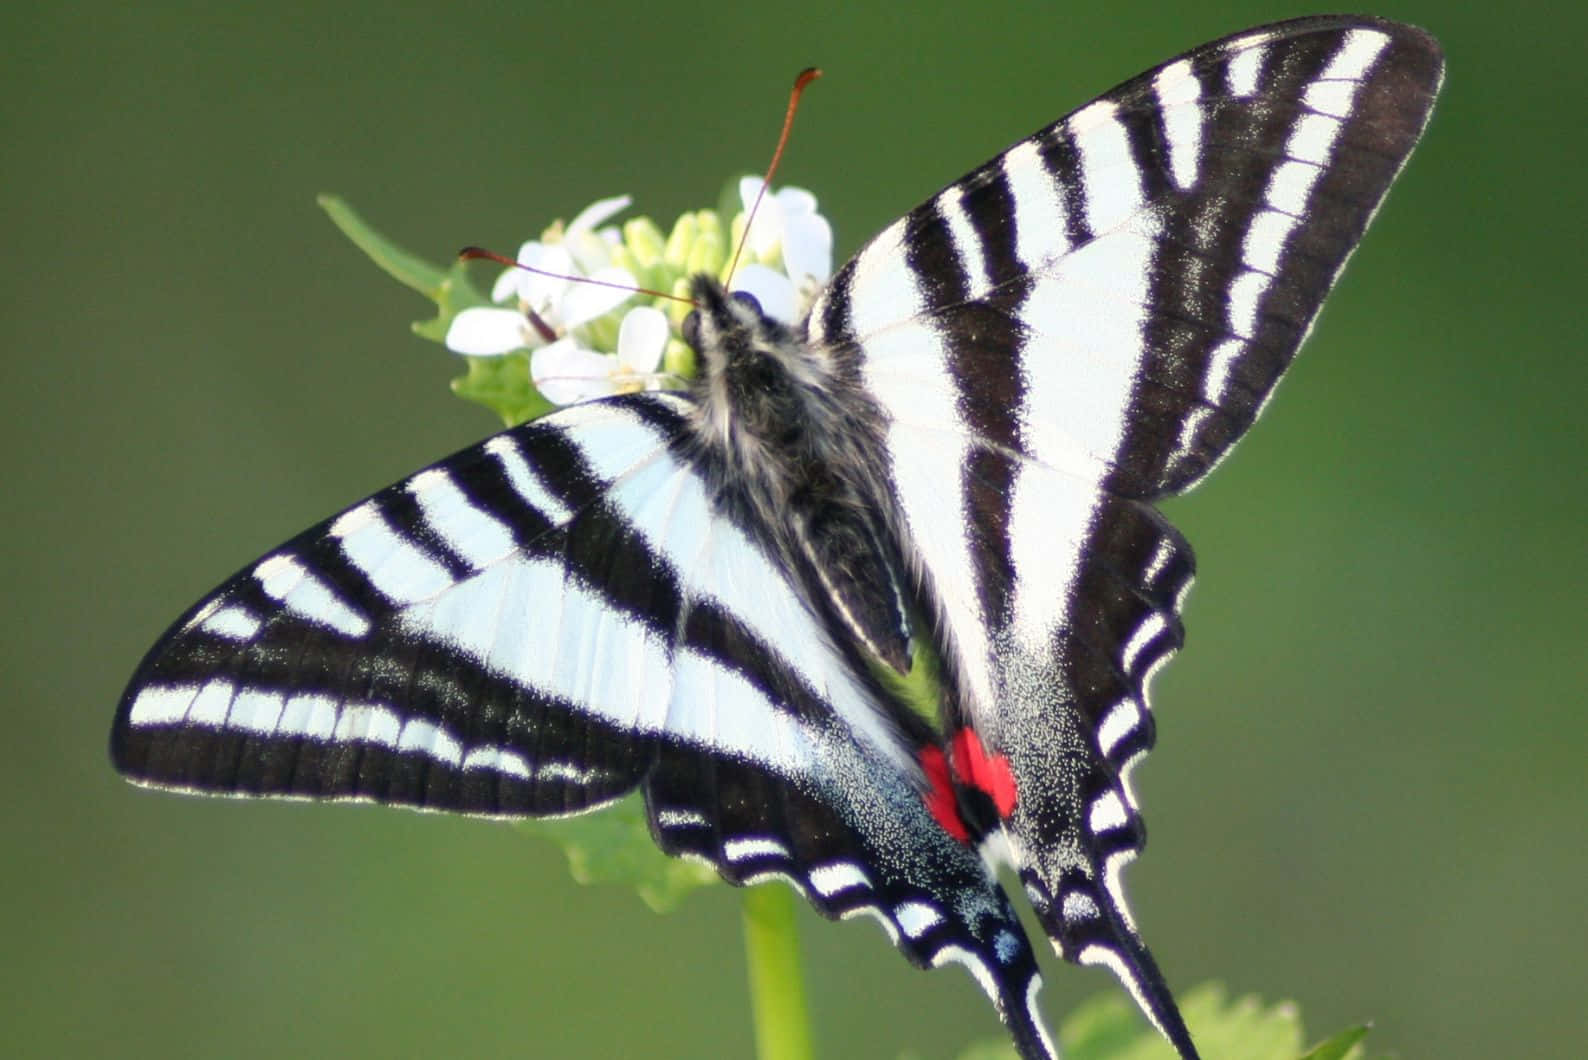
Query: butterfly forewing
(544, 623)
(687, 594)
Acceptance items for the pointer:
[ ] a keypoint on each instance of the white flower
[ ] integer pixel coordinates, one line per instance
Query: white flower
(590, 246)
(561, 301)
(786, 228)
(565, 372)
(568, 312)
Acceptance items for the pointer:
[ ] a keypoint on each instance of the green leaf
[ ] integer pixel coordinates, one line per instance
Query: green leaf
(403, 266)
(613, 845)
(455, 295)
(502, 385)
(1110, 1027)
(449, 288)
(1343, 1046)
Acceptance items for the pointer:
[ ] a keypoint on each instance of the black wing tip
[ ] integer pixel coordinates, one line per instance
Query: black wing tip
(116, 747)
(127, 753)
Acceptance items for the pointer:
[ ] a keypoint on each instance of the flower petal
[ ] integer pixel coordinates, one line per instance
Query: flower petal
(641, 339)
(541, 291)
(599, 211)
(591, 252)
(795, 202)
(486, 332)
(766, 228)
(583, 302)
(565, 372)
(506, 285)
(808, 248)
(771, 288)
(749, 188)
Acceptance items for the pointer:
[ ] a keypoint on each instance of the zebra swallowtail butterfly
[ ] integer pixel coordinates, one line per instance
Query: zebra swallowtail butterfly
(961, 447)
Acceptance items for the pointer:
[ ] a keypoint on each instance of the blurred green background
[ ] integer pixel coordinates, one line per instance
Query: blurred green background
(1368, 793)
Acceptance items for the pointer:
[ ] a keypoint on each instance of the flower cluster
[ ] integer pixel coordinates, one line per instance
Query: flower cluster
(590, 333)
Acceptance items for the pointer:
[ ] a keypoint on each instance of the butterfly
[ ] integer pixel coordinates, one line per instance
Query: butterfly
(694, 595)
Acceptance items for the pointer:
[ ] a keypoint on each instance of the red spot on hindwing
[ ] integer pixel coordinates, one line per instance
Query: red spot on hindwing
(987, 773)
(968, 764)
(941, 802)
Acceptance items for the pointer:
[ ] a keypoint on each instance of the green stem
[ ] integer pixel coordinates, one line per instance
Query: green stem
(777, 983)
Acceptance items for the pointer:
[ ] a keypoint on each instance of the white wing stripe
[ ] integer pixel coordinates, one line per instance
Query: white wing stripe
(234, 623)
(211, 705)
(256, 710)
(746, 847)
(1109, 173)
(837, 876)
(881, 288)
(1161, 555)
(1290, 186)
(219, 705)
(1150, 627)
(161, 705)
(1121, 720)
(1246, 65)
(1330, 97)
(1312, 138)
(479, 538)
(1108, 813)
(524, 481)
(966, 242)
(312, 716)
(1040, 221)
(1266, 238)
(1085, 314)
(1178, 91)
(1114, 887)
(430, 740)
(1097, 954)
(1356, 57)
(398, 570)
(920, 461)
(284, 578)
(1050, 516)
(1245, 295)
(917, 918)
(367, 723)
(498, 760)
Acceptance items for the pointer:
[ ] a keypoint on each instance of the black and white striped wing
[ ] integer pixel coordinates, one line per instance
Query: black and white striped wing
(543, 623)
(1081, 326)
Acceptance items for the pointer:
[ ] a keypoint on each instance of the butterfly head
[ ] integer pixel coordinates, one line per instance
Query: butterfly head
(753, 377)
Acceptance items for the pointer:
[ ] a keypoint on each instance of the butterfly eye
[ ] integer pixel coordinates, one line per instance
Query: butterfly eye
(746, 298)
(691, 329)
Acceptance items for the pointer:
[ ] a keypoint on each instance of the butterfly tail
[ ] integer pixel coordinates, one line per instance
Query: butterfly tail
(1132, 962)
(1120, 949)
(1025, 1025)
(1087, 925)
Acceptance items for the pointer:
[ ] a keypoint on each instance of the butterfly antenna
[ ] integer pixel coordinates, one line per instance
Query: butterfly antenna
(806, 76)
